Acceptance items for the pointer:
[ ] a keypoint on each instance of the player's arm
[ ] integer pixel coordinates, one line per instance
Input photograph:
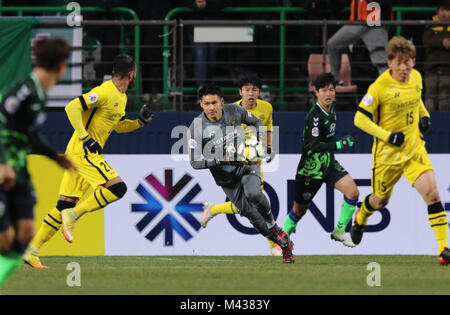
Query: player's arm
(364, 119)
(74, 111)
(126, 125)
(318, 146)
(195, 147)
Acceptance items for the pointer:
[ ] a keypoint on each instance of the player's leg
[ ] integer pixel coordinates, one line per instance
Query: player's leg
(427, 187)
(102, 196)
(108, 188)
(305, 190)
(211, 210)
(384, 178)
(347, 186)
(21, 207)
(72, 188)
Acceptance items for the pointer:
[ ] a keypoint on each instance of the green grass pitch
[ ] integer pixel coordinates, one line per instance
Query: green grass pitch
(238, 275)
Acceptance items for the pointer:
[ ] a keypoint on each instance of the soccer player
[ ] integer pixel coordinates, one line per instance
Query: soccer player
(22, 112)
(393, 112)
(212, 136)
(93, 116)
(249, 89)
(318, 164)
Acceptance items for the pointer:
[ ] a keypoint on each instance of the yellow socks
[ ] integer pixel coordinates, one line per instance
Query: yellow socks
(438, 222)
(366, 211)
(50, 225)
(101, 197)
(226, 207)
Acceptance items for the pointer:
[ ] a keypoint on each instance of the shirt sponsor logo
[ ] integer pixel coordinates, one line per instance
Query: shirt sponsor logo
(93, 97)
(367, 100)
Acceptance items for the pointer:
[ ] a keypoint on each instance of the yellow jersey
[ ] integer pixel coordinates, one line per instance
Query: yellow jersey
(103, 108)
(263, 111)
(394, 106)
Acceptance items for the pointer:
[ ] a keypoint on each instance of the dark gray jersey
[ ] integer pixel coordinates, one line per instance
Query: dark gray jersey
(213, 141)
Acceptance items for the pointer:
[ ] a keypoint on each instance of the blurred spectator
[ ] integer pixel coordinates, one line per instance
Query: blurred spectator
(204, 54)
(374, 37)
(437, 61)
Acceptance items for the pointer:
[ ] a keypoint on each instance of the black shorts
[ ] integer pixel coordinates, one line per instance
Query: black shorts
(16, 203)
(306, 187)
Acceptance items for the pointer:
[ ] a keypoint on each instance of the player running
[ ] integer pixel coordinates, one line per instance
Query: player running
(318, 164)
(212, 136)
(22, 114)
(393, 112)
(94, 116)
(249, 89)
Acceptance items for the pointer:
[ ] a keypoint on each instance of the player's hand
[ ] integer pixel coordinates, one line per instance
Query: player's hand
(345, 142)
(270, 154)
(8, 178)
(65, 163)
(91, 145)
(424, 124)
(145, 114)
(397, 138)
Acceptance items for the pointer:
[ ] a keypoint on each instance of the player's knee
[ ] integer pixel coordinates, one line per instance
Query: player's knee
(119, 189)
(432, 196)
(354, 194)
(25, 232)
(253, 196)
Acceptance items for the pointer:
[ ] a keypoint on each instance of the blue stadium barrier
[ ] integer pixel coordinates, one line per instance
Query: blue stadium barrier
(156, 137)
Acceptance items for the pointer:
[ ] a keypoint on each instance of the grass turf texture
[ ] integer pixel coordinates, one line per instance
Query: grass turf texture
(214, 275)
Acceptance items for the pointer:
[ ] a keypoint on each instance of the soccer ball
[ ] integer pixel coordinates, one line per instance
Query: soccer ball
(247, 152)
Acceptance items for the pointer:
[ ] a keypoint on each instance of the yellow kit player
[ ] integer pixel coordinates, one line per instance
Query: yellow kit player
(94, 116)
(393, 112)
(249, 89)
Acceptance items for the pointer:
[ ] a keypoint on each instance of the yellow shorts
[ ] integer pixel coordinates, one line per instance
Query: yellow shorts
(384, 177)
(93, 171)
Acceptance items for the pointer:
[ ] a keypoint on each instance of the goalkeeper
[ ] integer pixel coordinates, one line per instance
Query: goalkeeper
(318, 165)
(213, 137)
(94, 116)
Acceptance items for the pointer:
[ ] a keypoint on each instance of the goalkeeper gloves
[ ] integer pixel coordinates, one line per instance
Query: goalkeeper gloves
(345, 142)
(260, 150)
(397, 138)
(424, 124)
(145, 114)
(91, 145)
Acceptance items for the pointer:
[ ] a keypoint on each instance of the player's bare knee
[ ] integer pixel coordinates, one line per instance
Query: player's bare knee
(353, 195)
(432, 196)
(25, 232)
(119, 189)
(300, 210)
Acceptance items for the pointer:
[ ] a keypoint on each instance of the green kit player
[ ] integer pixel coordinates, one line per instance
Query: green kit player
(318, 165)
(22, 109)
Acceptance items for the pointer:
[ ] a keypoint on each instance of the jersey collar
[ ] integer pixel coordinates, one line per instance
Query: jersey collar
(38, 85)
(323, 110)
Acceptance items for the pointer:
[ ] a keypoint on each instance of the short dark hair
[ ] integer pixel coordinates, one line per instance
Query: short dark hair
(49, 53)
(323, 80)
(209, 89)
(122, 65)
(250, 79)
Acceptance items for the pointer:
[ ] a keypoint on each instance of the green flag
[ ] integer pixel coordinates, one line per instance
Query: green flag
(15, 51)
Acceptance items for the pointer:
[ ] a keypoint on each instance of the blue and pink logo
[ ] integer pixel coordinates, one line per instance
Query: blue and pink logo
(169, 223)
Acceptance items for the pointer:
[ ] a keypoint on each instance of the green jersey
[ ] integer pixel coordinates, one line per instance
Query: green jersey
(318, 143)
(22, 114)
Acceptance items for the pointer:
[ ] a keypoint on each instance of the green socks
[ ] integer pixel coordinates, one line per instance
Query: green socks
(291, 222)
(347, 210)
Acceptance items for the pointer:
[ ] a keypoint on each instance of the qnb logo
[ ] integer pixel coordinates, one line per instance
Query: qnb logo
(169, 213)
